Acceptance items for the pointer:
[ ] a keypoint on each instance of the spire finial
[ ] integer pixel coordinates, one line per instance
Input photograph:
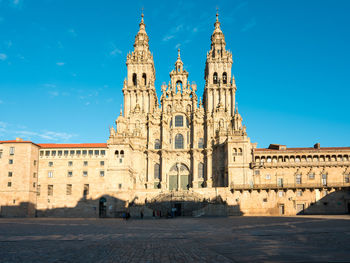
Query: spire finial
(121, 110)
(142, 14)
(217, 14)
(178, 53)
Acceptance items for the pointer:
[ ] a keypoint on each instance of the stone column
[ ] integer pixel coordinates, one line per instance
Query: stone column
(209, 170)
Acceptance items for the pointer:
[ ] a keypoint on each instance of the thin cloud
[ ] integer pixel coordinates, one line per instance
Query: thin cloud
(115, 52)
(173, 32)
(16, 3)
(249, 25)
(46, 135)
(167, 38)
(60, 64)
(3, 56)
(72, 32)
(54, 93)
(49, 85)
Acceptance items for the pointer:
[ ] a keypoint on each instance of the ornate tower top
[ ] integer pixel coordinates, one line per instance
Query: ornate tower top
(141, 39)
(179, 64)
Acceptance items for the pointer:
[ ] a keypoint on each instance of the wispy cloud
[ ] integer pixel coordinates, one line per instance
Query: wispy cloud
(167, 38)
(49, 85)
(72, 32)
(54, 93)
(249, 25)
(16, 3)
(46, 135)
(115, 52)
(3, 56)
(173, 32)
(60, 64)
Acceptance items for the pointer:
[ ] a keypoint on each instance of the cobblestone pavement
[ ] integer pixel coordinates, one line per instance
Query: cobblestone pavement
(234, 239)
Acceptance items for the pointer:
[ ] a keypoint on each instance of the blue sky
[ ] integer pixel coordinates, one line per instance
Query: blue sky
(62, 64)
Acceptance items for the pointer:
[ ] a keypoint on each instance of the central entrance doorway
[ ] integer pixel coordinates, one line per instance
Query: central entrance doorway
(102, 207)
(179, 177)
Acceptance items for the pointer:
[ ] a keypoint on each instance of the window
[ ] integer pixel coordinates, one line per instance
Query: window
(120, 186)
(59, 153)
(157, 171)
(157, 144)
(85, 163)
(84, 152)
(122, 154)
(103, 152)
(50, 174)
(50, 190)
(144, 79)
(97, 152)
(50, 164)
(200, 143)
(47, 153)
(34, 175)
(91, 152)
(38, 190)
(347, 178)
(102, 163)
(68, 189)
(134, 79)
(120, 160)
(240, 151)
(215, 78)
(298, 179)
(70, 174)
(224, 78)
(9, 184)
(71, 152)
(280, 193)
(70, 163)
(257, 172)
(10, 174)
(311, 176)
(34, 185)
(179, 121)
(66, 153)
(34, 162)
(85, 173)
(41, 153)
(268, 177)
(10, 161)
(299, 193)
(179, 141)
(12, 150)
(53, 153)
(116, 153)
(78, 152)
(201, 170)
(86, 190)
(265, 200)
(102, 173)
(280, 182)
(324, 179)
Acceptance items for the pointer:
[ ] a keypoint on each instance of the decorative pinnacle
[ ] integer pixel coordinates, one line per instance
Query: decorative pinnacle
(217, 14)
(178, 53)
(142, 14)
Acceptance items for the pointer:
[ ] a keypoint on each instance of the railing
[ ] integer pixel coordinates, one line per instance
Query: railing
(288, 186)
(301, 163)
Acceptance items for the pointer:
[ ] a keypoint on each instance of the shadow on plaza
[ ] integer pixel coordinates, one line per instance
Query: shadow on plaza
(107, 206)
(337, 202)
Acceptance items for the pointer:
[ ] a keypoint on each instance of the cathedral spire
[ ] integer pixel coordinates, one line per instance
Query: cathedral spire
(141, 39)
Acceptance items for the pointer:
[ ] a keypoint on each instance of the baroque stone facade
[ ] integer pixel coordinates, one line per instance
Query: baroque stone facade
(185, 153)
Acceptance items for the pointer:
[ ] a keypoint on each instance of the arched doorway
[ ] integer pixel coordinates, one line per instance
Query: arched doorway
(102, 208)
(179, 177)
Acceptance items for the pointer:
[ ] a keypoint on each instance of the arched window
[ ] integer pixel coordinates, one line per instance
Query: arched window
(179, 82)
(240, 151)
(298, 179)
(179, 121)
(224, 78)
(157, 171)
(116, 153)
(201, 170)
(122, 154)
(215, 78)
(134, 79)
(179, 141)
(234, 152)
(157, 144)
(144, 79)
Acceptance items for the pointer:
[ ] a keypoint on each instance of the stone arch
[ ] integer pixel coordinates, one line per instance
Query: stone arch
(134, 79)
(224, 78)
(144, 79)
(215, 78)
(179, 177)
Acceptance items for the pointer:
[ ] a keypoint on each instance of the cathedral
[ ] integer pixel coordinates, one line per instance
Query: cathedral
(185, 154)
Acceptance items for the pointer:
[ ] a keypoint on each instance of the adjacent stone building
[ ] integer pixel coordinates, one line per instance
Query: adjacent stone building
(185, 153)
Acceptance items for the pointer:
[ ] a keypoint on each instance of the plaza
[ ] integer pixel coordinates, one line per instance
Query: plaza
(183, 239)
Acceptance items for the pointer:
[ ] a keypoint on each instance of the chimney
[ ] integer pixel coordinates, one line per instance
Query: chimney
(19, 139)
(317, 145)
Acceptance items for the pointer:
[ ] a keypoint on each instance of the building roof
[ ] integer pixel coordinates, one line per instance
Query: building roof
(73, 145)
(307, 149)
(18, 141)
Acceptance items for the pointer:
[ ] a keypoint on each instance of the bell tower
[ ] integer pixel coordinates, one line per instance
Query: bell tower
(220, 86)
(139, 90)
